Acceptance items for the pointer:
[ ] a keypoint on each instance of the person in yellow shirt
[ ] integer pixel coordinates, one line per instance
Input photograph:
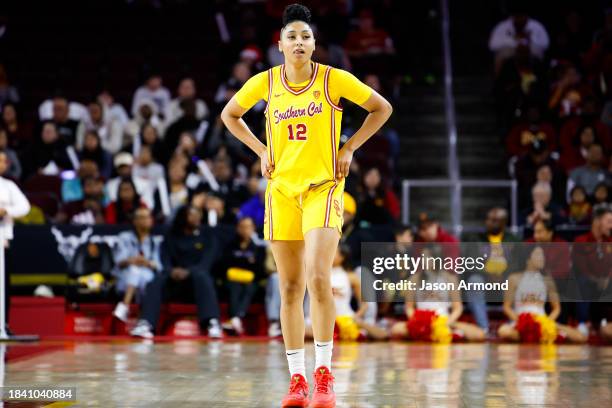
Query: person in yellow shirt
(306, 171)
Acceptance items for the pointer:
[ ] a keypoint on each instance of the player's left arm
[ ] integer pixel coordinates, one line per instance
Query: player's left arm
(380, 110)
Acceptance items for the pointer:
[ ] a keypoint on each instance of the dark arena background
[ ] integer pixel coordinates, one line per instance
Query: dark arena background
(110, 125)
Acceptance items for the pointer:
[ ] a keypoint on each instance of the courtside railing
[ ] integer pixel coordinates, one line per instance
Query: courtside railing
(457, 187)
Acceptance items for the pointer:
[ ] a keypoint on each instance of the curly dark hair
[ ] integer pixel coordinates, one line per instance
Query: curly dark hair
(296, 12)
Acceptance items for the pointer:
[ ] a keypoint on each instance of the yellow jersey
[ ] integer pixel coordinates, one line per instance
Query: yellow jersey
(303, 122)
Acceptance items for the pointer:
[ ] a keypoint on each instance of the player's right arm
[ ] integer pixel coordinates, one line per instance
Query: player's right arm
(252, 91)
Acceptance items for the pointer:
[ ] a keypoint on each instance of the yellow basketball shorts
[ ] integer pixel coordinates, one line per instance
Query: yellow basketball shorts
(289, 218)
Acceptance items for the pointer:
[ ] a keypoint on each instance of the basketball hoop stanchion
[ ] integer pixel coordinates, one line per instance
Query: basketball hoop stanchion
(3, 334)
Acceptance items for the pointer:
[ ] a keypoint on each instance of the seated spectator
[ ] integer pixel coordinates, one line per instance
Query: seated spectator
(556, 179)
(429, 231)
(146, 113)
(378, 204)
(91, 266)
(8, 92)
(108, 129)
(230, 189)
(521, 79)
(93, 150)
(543, 208)
(216, 212)
(72, 189)
(178, 192)
(579, 208)
(138, 260)
(147, 169)
(367, 40)
(148, 137)
(90, 209)
(186, 91)
(113, 111)
(499, 260)
(592, 256)
(532, 127)
(569, 92)
(575, 155)
(14, 165)
(518, 30)
(592, 172)
(254, 208)
(583, 130)
(48, 152)
(123, 166)
(152, 90)
(18, 133)
(121, 211)
(187, 123)
(241, 72)
(190, 252)
(602, 194)
(243, 266)
(556, 251)
(76, 110)
(528, 292)
(527, 172)
(67, 128)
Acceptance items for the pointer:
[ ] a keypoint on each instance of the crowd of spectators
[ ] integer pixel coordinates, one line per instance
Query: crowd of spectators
(165, 158)
(168, 161)
(553, 92)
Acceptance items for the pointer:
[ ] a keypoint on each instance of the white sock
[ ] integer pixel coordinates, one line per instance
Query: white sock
(295, 358)
(323, 353)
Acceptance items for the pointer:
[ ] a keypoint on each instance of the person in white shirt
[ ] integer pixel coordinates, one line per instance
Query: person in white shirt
(123, 165)
(13, 204)
(154, 90)
(518, 30)
(186, 90)
(147, 168)
(110, 130)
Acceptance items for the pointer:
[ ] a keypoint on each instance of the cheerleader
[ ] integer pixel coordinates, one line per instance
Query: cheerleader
(442, 302)
(528, 292)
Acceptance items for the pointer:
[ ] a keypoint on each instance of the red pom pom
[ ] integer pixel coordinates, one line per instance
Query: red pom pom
(528, 328)
(419, 325)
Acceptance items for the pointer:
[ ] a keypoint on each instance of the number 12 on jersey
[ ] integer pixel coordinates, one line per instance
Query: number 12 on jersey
(300, 133)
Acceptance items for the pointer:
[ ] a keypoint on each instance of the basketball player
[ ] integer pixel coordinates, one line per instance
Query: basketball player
(528, 292)
(306, 173)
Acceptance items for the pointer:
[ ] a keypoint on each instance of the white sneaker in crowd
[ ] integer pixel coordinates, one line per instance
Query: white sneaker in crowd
(274, 330)
(237, 325)
(214, 329)
(584, 329)
(121, 311)
(142, 329)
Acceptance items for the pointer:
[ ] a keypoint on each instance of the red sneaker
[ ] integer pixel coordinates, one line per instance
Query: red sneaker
(297, 396)
(324, 395)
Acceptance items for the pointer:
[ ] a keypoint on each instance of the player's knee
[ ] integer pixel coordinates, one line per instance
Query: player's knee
(319, 286)
(292, 292)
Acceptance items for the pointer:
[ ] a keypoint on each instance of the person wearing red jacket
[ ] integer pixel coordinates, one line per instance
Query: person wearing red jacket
(592, 255)
(430, 231)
